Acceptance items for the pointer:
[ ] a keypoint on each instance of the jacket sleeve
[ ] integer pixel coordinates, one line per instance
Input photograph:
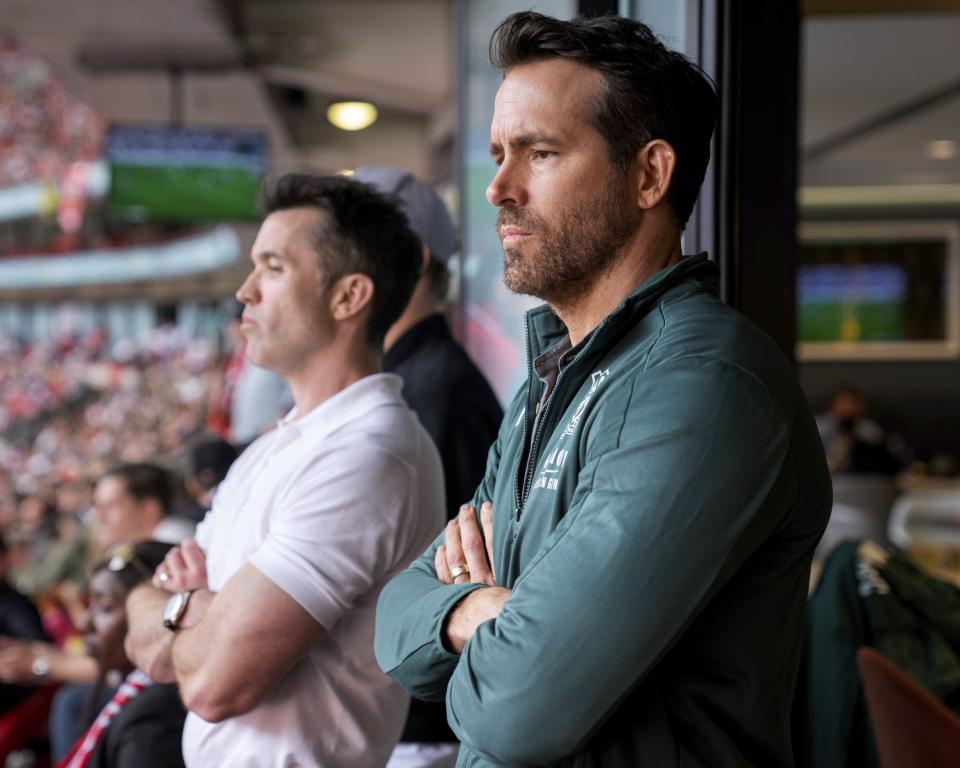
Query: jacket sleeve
(670, 500)
(411, 612)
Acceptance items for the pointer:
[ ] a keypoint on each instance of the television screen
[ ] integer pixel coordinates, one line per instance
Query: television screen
(859, 302)
(872, 291)
(185, 174)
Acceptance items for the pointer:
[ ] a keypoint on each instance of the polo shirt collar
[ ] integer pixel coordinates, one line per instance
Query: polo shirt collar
(350, 402)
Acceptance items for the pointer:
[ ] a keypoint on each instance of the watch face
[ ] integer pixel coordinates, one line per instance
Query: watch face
(173, 610)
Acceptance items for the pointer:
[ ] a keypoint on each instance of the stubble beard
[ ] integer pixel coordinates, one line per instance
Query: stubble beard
(570, 256)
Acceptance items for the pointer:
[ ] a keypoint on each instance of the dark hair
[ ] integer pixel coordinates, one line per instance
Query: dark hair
(135, 563)
(145, 481)
(648, 92)
(210, 460)
(365, 231)
(438, 279)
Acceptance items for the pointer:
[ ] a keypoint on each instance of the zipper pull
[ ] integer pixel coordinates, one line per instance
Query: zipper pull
(516, 523)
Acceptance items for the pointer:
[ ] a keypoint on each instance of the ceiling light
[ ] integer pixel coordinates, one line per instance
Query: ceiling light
(352, 115)
(345, 172)
(943, 149)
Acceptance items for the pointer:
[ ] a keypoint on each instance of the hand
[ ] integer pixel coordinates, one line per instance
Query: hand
(184, 567)
(479, 606)
(465, 545)
(148, 642)
(16, 661)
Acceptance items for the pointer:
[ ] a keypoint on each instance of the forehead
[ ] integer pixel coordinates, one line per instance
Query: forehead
(111, 485)
(555, 94)
(288, 230)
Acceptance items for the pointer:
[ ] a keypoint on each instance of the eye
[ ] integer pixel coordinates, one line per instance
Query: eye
(274, 265)
(542, 154)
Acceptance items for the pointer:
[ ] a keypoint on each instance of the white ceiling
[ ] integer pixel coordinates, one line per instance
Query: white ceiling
(855, 68)
(327, 49)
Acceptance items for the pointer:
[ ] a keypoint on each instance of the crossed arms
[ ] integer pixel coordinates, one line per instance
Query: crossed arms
(233, 646)
(645, 542)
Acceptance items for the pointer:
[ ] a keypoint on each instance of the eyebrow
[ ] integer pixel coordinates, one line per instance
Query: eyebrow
(264, 255)
(527, 140)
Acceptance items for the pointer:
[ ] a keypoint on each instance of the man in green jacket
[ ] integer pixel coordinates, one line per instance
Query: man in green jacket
(634, 595)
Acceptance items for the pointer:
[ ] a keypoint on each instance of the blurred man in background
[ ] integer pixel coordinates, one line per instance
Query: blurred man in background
(132, 502)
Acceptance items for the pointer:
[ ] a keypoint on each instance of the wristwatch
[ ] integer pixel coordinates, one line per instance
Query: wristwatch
(40, 667)
(175, 609)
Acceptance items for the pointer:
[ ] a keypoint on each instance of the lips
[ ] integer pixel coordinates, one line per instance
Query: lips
(512, 234)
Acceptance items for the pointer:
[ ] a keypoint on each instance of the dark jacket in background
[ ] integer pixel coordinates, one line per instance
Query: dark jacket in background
(453, 400)
(146, 733)
(869, 595)
(457, 407)
(19, 618)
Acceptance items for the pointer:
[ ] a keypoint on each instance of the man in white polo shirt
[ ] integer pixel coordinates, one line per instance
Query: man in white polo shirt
(266, 620)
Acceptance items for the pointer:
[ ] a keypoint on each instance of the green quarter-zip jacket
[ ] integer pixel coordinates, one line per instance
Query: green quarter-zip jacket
(658, 550)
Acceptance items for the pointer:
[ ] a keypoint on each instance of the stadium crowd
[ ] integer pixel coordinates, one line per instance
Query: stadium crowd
(43, 126)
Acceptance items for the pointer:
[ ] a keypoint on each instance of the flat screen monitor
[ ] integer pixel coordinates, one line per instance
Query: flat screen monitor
(185, 174)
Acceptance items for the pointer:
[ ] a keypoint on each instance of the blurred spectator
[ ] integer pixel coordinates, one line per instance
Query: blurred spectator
(853, 442)
(19, 619)
(210, 460)
(132, 502)
(142, 724)
(43, 127)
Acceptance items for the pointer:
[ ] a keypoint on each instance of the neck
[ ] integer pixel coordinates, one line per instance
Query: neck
(643, 257)
(323, 376)
(421, 306)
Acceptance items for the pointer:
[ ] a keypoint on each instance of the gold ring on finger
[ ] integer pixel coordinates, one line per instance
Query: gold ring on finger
(459, 570)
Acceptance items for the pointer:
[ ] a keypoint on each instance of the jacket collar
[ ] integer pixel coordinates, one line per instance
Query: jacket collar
(697, 272)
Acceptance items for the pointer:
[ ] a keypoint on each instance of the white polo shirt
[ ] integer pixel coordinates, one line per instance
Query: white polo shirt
(329, 507)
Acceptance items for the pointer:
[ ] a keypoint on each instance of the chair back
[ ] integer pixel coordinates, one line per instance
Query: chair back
(912, 727)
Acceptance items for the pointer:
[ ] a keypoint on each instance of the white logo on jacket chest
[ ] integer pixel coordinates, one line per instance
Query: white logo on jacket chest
(596, 379)
(549, 475)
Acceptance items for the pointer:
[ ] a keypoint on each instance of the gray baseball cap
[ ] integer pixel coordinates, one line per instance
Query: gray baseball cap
(429, 217)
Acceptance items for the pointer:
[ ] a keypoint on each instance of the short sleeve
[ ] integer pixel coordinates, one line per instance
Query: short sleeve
(342, 527)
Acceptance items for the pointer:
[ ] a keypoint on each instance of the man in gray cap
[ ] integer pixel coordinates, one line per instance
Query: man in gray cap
(440, 382)
(447, 391)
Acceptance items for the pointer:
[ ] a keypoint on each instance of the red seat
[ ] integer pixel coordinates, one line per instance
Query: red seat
(27, 722)
(912, 727)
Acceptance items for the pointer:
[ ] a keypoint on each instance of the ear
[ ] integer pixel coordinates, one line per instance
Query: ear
(655, 165)
(425, 259)
(350, 295)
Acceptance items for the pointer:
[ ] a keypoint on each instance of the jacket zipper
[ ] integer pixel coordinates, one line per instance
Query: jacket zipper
(531, 462)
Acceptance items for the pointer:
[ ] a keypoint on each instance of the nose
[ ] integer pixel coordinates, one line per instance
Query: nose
(506, 187)
(247, 292)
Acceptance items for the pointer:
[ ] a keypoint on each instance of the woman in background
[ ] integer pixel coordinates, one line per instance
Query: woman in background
(142, 725)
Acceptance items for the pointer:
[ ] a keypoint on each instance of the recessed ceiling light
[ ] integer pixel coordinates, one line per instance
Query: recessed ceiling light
(352, 115)
(345, 172)
(942, 149)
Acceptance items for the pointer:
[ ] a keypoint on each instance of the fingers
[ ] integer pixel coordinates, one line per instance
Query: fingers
(440, 563)
(486, 522)
(196, 563)
(455, 557)
(474, 547)
(183, 568)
